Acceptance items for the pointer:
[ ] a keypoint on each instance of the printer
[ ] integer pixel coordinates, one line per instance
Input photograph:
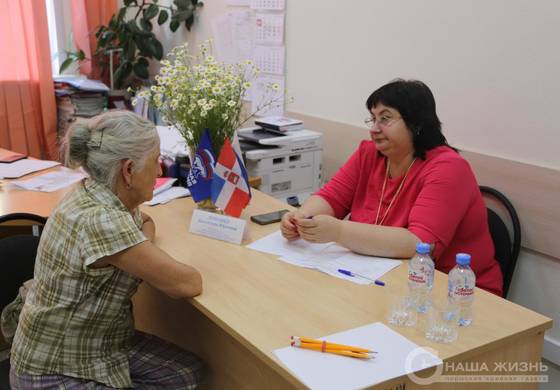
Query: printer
(289, 163)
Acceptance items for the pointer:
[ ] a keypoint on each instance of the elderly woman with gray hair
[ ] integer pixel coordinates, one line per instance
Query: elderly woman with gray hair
(76, 328)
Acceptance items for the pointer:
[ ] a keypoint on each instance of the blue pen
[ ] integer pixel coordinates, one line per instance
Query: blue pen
(353, 274)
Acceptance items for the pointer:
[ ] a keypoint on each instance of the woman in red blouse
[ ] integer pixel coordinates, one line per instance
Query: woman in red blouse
(404, 186)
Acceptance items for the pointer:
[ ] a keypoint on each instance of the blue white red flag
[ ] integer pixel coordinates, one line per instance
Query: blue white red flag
(230, 186)
(237, 149)
(199, 180)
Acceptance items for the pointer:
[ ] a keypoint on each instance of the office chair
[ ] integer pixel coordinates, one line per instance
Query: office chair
(506, 247)
(18, 254)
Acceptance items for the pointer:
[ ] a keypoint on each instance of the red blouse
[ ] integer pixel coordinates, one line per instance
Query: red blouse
(440, 203)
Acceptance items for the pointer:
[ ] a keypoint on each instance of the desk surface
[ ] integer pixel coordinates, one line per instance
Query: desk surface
(260, 301)
(17, 200)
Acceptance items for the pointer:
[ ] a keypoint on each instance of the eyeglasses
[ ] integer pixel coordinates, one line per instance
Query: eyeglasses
(384, 121)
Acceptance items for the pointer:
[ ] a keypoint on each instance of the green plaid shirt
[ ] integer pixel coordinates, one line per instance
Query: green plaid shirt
(77, 320)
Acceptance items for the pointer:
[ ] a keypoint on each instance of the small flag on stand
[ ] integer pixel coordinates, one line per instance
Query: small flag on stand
(199, 180)
(230, 185)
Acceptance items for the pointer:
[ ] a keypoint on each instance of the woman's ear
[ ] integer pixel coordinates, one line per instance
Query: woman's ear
(126, 172)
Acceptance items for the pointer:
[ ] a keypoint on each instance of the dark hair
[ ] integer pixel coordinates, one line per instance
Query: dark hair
(416, 104)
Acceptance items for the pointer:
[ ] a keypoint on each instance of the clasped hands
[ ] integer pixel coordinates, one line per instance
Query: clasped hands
(317, 229)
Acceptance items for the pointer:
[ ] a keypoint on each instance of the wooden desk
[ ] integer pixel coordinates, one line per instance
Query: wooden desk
(17, 200)
(253, 302)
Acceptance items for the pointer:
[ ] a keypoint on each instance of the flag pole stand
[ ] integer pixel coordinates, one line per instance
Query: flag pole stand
(208, 205)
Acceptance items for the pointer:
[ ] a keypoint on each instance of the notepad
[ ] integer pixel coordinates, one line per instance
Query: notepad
(397, 356)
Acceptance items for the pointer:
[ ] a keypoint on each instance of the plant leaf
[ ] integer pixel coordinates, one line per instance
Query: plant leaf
(151, 12)
(174, 25)
(158, 49)
(131, 49)
(181, 4)
(163, 16)
(143, 60)
(182, 15)
(146, 24)
(189, 22)
(143, 46)
(65, 64)
(141, 68)
(122, 13)
(122, 73)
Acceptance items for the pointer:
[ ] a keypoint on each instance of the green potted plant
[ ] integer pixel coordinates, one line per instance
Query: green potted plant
(129, 36)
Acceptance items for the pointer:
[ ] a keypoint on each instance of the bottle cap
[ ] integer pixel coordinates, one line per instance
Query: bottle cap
(463, 258)
(422, 248)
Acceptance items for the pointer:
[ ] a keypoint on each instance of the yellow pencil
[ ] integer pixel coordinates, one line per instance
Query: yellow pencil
(316, 347)
(307, 340)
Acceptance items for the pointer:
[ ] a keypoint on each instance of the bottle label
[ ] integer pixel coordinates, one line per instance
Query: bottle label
(416, 278)
(463, 291)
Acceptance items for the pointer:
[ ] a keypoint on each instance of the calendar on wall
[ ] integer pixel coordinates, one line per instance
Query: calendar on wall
(270, 5)
(270, 59)
(254, 29)
(269, 28)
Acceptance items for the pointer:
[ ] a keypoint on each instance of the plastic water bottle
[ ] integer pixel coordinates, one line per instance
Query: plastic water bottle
(460, 288)
(421, 277)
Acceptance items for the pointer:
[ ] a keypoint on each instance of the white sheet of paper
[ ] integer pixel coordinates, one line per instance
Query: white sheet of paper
(24, 167)
(168, 183)
(168, 195)
(277, 245)
(171, 141)
(51, 181)
(233, 36)
(327, 258)
(396, 356)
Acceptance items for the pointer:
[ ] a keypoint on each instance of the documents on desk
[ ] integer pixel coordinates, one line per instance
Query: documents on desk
(290, 163)
(327, 258)
(51, 181)
(396, 356)
(24, 167)
(168, 195)
(165, 192)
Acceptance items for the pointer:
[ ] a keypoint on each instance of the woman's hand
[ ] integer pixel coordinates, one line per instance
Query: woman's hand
(320, 228)
(288, 226)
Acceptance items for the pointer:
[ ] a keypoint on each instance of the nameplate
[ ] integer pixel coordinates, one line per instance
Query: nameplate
(219, 227)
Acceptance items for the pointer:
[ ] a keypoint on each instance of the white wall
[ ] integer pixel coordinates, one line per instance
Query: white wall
(494, 68)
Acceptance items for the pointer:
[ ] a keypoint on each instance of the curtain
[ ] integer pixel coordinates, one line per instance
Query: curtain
(87, 15)
(27, 101)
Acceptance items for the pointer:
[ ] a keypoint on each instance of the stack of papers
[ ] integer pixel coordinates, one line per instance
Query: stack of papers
(396, 356)
(24, 167)
(51, 181)
(165, 192)
(327, 258)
